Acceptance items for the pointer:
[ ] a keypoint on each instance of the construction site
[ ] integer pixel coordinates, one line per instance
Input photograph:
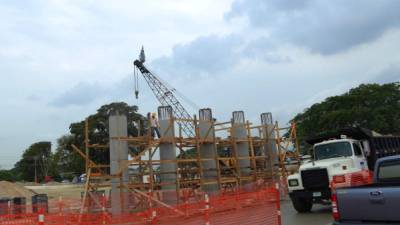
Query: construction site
(183, 168)
(189, 169)
(192, 112)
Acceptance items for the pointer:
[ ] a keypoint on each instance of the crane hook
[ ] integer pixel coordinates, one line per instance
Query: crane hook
(136, 82)
(136, 94)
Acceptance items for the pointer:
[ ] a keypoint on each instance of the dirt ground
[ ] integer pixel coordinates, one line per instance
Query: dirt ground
(11, 190)
(65, 191)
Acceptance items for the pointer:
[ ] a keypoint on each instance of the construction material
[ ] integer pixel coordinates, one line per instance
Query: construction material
(40, 201)
(118, 153)
(168, 166)
(19, 205)
(5, 205)
(11, 190)
(271, 153)
(222, 156)
(208, 150)
(240, 144)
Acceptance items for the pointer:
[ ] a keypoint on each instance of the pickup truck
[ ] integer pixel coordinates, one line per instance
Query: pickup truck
(372, 204)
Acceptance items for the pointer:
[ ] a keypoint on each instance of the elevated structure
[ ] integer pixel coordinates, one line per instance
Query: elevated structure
(118, 127)
(224, 156)
(208, 150)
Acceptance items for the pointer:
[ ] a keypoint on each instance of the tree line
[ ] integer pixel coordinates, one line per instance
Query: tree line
(372, 106)
(66, 163)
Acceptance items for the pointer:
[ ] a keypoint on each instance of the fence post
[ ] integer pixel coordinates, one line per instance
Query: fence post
(153, 217)
(206, 210)
(41, 216)
(60, 205)
(237, 199)
(278, 204)
(186, 197)
(103, 208)
(152, 212)
(9, 210)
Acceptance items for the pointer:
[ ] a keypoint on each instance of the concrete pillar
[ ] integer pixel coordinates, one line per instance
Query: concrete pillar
(239, 132)
(167, 152)
(208, 149)
(118, 127)
(270, 149)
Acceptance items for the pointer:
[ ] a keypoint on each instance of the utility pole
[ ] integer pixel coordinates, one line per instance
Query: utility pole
(35, 158)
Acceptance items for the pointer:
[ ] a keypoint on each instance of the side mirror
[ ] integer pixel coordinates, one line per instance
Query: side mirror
(311, 152)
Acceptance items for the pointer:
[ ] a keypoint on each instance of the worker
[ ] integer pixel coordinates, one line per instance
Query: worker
(154, 125)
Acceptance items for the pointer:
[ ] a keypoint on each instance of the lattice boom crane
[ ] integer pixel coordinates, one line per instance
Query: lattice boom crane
(164, 95)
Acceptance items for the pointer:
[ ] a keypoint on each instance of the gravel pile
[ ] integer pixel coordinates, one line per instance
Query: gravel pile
(10, 190)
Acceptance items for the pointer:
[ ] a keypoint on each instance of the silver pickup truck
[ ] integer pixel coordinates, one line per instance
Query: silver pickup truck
(373, 204)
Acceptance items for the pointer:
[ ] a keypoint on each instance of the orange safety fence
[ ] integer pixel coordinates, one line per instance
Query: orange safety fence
(352, 179)
(260, 206)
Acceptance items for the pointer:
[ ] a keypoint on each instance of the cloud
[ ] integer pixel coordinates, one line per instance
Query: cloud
(63, 59)
(325, 27)
(85, 93)
(204, 55)
(81, 94)
(389, 75)
(33, 98)
(264, 49)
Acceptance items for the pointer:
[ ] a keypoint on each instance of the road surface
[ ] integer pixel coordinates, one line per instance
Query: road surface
(320, 215)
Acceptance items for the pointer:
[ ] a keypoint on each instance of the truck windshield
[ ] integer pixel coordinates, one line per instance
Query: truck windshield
(332, 150)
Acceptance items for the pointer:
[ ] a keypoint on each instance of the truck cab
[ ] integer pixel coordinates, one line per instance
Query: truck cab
(330, 157)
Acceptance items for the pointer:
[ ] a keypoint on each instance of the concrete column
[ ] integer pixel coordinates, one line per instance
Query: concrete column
(167, 151)
(239, 132)
(208, 149)
(270, 149)
(118, 127)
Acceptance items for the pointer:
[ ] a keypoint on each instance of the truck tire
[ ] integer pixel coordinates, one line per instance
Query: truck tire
(302, 205)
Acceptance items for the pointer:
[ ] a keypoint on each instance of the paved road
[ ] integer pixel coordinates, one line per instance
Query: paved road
(320, 215)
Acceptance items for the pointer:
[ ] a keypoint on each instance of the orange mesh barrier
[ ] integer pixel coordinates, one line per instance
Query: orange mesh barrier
(352, 179)
(230, 208)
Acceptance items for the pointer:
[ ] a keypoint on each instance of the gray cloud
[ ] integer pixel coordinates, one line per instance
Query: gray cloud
(265, 49)
(33, 98)
(81, 94)
(209, 55)
(391, 74)
(206, 54)
(85, 93)
(326, 26)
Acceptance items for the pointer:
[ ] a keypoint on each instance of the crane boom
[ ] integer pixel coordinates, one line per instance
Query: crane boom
(166, 97)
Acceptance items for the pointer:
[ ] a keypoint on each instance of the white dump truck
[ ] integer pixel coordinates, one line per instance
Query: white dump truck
(342, 152)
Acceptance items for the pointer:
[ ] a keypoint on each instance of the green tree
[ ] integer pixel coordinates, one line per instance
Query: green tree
(8, 175)
(37, 157)
(66, 160)
(71, 162)
(372, 106)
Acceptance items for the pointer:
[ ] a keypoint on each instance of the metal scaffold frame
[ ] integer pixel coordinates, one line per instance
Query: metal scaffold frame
(189, 171)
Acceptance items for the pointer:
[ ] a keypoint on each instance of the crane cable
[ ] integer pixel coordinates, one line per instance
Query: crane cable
(136, 81)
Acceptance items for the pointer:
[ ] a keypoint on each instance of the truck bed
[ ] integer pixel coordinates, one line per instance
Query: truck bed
(372, 203)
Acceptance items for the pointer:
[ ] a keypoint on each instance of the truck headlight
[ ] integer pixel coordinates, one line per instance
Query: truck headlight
(293, 182)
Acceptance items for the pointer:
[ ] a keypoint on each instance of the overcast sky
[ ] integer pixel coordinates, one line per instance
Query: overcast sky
(61, 60)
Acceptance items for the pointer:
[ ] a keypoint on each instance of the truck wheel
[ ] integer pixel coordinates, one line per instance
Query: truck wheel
(302, 205)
